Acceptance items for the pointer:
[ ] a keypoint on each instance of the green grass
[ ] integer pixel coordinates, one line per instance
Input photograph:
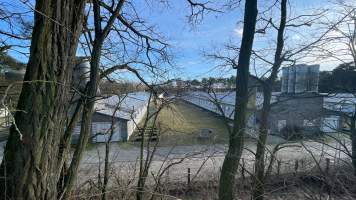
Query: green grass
(180, 124)
(334, 137)
(126, 145)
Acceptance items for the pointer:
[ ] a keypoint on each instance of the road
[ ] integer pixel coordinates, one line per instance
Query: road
(207, 160)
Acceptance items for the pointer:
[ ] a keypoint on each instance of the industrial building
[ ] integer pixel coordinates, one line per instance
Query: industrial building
(118, 113)
(300, 106)
(302, 112)
(338, 108)
(220, 103)
(312, 112)
(225, 100)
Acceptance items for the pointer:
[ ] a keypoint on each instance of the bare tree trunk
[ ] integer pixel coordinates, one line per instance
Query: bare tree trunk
(106, 166)
(259, 179)
(145, 162)
(85, 129)
(64, 148)
(141, 177)
(107, 152)
(28, 166)
(236, 141)
(107, 159)
(353, 140)
(91, 90)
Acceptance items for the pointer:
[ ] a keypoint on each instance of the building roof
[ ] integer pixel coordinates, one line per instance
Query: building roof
(227, 97)
(342, 102)
(128, 104)
(223, 97)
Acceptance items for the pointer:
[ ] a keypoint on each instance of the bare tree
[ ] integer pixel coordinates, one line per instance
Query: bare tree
(28, 169)
(150, 52)
(39, 126)
(110, 134)
(267, 86)
(16, 29)
(91, 88)
(236, 141)
(340, 45)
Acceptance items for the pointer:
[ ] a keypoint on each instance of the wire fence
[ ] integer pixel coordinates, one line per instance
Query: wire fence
(199, 168)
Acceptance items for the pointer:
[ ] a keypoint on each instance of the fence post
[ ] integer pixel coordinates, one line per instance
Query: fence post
(296, 166)
(327, 165)
(278, 167)
(243, 169)
(167, 176)
(188, 176)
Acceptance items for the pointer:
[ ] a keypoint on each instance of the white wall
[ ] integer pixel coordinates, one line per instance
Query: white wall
(104, 129)
(136, 119)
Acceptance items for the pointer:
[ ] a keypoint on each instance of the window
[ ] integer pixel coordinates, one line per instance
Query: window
(308, 122)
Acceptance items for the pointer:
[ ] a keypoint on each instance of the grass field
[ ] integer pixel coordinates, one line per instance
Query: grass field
(180, 123)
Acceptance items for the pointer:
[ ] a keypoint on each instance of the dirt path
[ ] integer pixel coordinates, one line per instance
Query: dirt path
(205, 160)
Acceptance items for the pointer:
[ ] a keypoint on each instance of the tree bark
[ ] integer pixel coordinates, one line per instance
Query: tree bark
(259, 179)
(85, 129)
(28, 166)
(88, 101)
(236, 140)
(353, 140)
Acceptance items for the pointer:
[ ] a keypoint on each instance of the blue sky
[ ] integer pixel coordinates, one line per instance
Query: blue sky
(188, 43)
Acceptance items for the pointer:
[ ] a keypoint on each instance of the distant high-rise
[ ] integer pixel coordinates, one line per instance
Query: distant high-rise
(285, 78)
(300, 78)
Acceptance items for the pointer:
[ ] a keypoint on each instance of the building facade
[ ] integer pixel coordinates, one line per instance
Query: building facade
(116, 115)
(301, 107)
(221, 103)
(302, 112)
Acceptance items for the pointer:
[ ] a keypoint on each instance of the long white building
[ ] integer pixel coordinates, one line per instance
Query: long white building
(221, 103)
(123, 113)
(329, 114)
(339, 106)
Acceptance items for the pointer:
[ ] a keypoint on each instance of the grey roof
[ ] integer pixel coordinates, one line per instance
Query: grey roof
(128, 104)
(229, 97)
(342, 102)
(223, 97)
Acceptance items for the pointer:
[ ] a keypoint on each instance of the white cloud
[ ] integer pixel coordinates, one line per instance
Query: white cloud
(238, 31)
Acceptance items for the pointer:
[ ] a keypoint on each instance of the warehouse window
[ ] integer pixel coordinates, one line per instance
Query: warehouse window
(307, 122)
